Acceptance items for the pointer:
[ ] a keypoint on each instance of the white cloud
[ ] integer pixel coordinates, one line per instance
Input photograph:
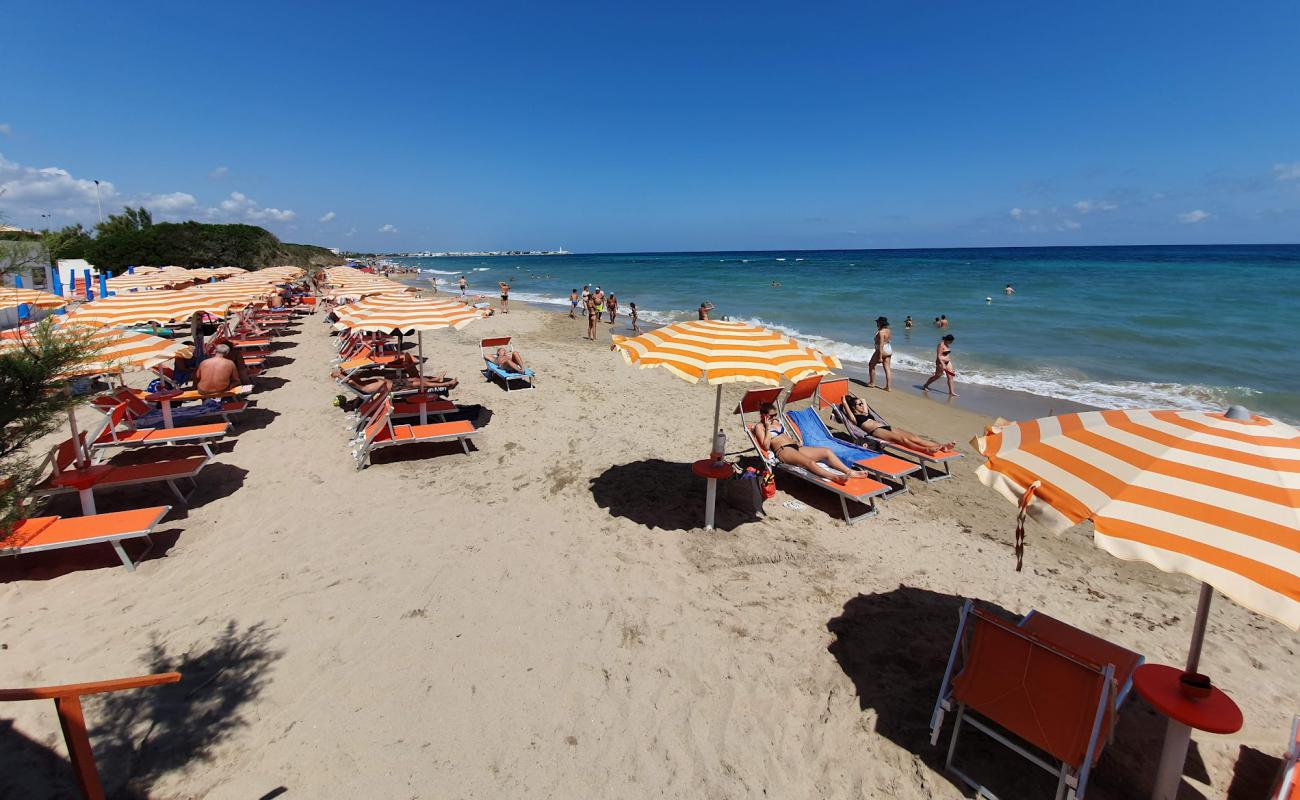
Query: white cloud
(167, 203)
(329, 215)
(31, 191)
(351, 233)
(6, 129)
(1023, 213)
(1089, 206)
(241, 207)
(388, 228)
(1287, 172)
(218, 173)
(1192, 217)
(1070, 225)
(1158, 196)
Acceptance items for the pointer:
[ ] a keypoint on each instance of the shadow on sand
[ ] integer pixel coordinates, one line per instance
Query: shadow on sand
(661, 494)
(894, 646)
(139, 736)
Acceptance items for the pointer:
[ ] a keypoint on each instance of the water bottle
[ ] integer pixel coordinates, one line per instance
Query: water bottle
(719, 445)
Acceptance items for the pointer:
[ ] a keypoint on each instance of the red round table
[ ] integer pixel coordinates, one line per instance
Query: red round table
(1216, 713)
(715, 471)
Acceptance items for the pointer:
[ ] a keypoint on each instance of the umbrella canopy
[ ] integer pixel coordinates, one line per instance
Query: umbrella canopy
(112, 350)
(1192, 492)
(12, 298)
(725, 352)
(157, 280)
(159, 306)
(397, 314)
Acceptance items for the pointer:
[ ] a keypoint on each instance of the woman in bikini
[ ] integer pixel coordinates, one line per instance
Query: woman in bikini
(943, 364)
(883, 355)
(857, 410)
(592, 317)
(775, 439)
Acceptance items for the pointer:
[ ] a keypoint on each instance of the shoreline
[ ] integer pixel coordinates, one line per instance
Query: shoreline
(989, 401)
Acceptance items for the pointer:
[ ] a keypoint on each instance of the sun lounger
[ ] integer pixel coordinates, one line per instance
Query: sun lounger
(1047, 683)
(53, 533)
(862, 491)
(809, 428)
(380, 432)
(936, 466)
(143, 414)
(67, 703)
(491, 370)
(65, 476)
(117, 432)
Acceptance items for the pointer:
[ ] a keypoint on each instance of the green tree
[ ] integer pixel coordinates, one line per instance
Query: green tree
(34, 401)
(131, 219)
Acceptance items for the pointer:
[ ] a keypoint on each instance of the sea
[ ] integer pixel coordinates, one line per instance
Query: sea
(1187, 327)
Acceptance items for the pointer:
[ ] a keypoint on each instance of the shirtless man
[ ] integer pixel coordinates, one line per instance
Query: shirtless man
(505, 296)
(216, 374)
(508, 360)
(775, 439)
(573, 304)
(463, 284)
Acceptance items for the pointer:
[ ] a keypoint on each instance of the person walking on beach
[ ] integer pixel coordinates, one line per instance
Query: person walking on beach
(464, 284)
(613, 307)
(883, 356)
(592, 316)
(943, 364)
(505, 296)
(632, 307)
(573, 304)
(600, 302)
(586, 292)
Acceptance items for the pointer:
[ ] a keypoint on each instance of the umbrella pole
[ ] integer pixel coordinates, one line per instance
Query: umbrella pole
(711, 493)
(1198, 627)
(419, 337)
(87, 495)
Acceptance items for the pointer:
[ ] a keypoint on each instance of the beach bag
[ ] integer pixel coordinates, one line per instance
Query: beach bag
(767, 484)
(742, 493)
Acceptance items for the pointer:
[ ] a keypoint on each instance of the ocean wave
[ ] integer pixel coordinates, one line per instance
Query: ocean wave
(483, 269)
(1045, 383)
(546, 299)
(441, 272)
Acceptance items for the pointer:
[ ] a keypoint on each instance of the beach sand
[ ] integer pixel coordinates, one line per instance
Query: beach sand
(546, 618)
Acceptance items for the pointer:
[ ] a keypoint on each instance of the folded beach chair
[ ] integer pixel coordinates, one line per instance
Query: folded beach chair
(809, 428)
(380, 432)
(1050, 685)
(66, 477)
(116, 431)
(934, 467)
(491, 370)
(53, 533)
(67, 703)
(1287, 786)
(862, 491)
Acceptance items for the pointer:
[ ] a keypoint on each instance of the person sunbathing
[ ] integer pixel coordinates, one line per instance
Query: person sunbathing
(857, 410)
(773, 437)
(217, 373)
(404, 382)
(508, 360)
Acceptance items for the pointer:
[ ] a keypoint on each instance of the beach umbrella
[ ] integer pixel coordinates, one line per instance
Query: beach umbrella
(719, 352)
(160, 306)
(1212, 495)
(159, 280)
(401, 316)
(14, 297)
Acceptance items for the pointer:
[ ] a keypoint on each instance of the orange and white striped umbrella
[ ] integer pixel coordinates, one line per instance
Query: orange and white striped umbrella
(112, 350)
(12, 298)
(156, 280)
(157, 306)
(395, 313)
(1211, 495)
(725, 352)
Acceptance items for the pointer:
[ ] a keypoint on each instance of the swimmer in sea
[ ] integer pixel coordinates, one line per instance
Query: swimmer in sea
(705, 308)
(907, 323)
(1009, 291)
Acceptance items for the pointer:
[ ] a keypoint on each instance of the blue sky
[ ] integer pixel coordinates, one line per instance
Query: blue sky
(666, 126)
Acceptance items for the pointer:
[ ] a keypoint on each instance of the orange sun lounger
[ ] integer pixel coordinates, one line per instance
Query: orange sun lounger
(67, 703)
(39, 534)
(1047, 683)
(862, 491)
(935, 467)
(380, 432)
(66, 477)
(111, 435)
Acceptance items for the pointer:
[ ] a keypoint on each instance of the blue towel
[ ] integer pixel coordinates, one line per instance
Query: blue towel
(813, 432)
(527, 373)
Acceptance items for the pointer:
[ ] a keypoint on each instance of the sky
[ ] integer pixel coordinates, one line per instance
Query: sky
(610, 127)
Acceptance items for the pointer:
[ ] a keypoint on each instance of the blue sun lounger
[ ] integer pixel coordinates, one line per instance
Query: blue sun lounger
(812, 432)
(491, 370)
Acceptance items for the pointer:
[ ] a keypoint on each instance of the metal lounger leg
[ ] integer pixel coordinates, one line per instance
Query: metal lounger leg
(121, 553)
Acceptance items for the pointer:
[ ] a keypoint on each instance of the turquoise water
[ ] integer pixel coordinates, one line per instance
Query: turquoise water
(1183, 327)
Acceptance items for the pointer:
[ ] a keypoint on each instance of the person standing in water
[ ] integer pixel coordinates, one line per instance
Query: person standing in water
(434, 279)
(907, 323)
(705, 308)
(613, 307)
(573, 304)
(463, 284)
(632, 308)
(1009, 291)
(882, 356)
(942, 322)
(586, 292)
(943, 364)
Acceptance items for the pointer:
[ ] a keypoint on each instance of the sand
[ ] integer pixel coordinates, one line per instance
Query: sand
(546, 618)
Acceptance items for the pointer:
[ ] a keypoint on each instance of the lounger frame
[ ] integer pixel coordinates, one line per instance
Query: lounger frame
(115, 539)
